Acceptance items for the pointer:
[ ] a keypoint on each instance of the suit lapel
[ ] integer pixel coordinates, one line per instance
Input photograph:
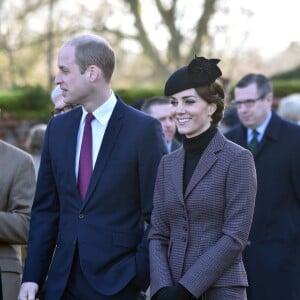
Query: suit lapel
(206, 161)
(272, 132)
(73, 117)
(177, 173)
(110, 137)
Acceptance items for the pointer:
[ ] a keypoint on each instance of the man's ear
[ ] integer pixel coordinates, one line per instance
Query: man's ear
(269, 97)
(93, 72)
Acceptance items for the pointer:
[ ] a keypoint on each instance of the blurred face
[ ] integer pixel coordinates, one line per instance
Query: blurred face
(191, 112)
(59, 102)
(75, 85)
(162, 112)
(251, 108)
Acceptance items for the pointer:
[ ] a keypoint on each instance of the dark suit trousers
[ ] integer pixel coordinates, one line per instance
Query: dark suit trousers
(78, 288)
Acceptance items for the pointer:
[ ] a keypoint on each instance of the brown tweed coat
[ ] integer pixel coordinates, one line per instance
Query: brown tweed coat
(197, 238)
(17, 187)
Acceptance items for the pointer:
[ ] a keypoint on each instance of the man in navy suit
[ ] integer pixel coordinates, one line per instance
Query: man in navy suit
(272, 254)
(92, 246)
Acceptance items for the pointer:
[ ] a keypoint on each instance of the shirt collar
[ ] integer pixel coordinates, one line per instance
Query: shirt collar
(104, 111)
(260, 129)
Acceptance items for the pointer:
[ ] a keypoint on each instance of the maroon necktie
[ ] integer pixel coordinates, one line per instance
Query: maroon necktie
(85, 169)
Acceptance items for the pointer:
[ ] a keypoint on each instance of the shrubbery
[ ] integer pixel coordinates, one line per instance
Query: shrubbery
(33, 102)
(285, 87)
(27, 102)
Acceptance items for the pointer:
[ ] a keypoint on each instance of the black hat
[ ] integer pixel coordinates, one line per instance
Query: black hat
(201, 71)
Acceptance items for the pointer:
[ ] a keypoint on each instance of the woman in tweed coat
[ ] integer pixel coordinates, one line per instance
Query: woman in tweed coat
(204, 197)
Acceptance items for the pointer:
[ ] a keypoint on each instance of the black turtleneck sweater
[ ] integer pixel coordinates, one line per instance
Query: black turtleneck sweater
(194, 148)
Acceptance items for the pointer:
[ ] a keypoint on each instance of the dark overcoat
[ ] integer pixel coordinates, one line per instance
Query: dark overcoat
(272, 255)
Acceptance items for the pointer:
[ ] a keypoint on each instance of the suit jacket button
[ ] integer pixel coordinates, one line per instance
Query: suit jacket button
(81, 216)
(248, 243)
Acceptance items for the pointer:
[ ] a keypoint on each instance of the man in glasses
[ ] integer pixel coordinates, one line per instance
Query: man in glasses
(159, 107)
(272, 255)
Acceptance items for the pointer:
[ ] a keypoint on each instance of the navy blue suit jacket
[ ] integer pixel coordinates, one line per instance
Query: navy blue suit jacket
(108, 226)
(272, 255)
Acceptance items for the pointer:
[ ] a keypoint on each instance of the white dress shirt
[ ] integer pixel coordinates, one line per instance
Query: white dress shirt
(102, 115)
(260, 129)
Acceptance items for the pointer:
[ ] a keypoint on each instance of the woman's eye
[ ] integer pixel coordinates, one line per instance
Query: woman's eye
(189, 101)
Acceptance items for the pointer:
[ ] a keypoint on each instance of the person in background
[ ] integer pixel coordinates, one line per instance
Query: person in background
(159, 107)
(17, 187)
(289, 108)
(272, 254)
(34, 143)
(95, 186)
(58, 100)
(204, 196)
(230, 120)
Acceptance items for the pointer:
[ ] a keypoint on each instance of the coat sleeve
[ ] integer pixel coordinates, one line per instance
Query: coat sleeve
(44, 221)
(159, 237)
(238, 213)
(151, 150)
(15, 219)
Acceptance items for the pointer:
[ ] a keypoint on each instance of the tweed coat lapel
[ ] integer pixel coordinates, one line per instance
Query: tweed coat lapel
(206, 161)
(177, 172)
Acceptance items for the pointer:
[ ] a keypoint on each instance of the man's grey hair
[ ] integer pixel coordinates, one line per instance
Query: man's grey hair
(57, 91)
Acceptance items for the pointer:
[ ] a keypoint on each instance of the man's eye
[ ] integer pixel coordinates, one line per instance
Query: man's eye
(249, 101)
(173, 102)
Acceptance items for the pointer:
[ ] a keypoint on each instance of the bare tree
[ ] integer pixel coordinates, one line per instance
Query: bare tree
(180, 45)
(153, 37)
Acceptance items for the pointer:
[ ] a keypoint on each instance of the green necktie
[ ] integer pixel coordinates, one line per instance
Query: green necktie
(254, 141)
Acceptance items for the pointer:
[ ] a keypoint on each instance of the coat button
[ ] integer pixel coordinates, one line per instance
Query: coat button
(81, 216)
(248, 243)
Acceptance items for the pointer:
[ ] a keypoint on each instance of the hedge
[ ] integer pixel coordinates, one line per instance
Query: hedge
(33, 102)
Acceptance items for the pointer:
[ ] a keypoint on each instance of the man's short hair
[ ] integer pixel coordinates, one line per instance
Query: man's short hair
(93, 50)
(155, 100)
(264, 86)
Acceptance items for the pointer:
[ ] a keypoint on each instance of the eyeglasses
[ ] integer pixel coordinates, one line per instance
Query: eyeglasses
(248, 102)
(66, 108)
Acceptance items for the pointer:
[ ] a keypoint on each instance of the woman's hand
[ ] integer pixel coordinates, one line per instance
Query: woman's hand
(173, 292)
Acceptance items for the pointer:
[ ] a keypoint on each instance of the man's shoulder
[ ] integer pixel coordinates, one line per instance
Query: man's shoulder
(134, 115)
(7, 150)
(290, 126)
(234, 132)
(282, 129)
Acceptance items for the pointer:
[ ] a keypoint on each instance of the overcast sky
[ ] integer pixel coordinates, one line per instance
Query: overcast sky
(273, 25)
